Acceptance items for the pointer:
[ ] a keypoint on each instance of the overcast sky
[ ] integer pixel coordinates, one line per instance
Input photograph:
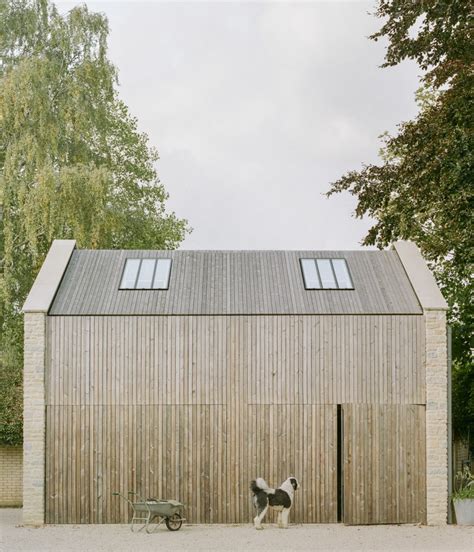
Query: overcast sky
(255, 108)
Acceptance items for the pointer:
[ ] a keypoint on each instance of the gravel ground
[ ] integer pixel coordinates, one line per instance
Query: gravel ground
(92, 538)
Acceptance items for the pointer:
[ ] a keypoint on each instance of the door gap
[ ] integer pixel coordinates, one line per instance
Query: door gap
(340, 465)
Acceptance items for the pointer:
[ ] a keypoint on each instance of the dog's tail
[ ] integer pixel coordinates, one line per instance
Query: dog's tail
(260, 484)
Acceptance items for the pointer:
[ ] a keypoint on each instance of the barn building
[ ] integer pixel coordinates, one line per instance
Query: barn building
(184, 374)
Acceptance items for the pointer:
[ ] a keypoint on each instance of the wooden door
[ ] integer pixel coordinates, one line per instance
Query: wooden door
(203, 455)
(384, 464)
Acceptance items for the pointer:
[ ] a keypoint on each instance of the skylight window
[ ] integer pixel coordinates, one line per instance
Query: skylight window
(162, 274)
(129, 278)
(326, 274)
(342, 273)
(310, 273)
(146, 274)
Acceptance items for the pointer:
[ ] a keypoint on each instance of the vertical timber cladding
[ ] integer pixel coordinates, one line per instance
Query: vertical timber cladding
(384, 464)
(193, 407)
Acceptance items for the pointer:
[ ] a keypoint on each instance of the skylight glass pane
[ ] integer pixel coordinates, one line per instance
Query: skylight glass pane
(342, 274)
(130, 274)
(145, 277)
(162, 274)
(311, 278)
(327, 276)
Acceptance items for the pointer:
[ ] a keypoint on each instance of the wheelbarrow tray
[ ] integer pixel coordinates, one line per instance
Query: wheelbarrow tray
(162, 508)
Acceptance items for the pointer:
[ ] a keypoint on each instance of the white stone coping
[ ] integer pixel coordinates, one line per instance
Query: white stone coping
(49, 277)
(420, 276)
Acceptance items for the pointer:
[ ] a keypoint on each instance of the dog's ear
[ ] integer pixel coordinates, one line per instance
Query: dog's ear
(294, 483)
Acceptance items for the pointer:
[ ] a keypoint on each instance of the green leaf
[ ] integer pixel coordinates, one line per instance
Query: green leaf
(72, 164)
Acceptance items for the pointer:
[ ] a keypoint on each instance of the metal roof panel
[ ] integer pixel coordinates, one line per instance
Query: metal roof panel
(234, 282)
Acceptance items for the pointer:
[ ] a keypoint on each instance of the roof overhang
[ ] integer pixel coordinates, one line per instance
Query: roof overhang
(420, 276)
(49, 277)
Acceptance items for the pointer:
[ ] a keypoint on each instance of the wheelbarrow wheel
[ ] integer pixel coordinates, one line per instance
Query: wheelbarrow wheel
(174, 522)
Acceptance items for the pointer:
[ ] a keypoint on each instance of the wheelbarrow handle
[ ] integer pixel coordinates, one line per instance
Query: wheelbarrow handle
(124, 497)
(140, 498)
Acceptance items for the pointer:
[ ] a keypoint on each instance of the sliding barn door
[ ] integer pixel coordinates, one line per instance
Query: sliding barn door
(203, 455)
(384, 464)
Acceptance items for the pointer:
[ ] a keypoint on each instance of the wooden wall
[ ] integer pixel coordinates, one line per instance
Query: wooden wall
(261, 359)
(384, 463)
(203, 455)
(193, 407)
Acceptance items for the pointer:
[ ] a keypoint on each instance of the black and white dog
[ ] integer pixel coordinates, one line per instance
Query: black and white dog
(280, 499)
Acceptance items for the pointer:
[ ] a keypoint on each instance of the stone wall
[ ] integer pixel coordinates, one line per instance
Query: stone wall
(11, 476)
(34, 419)
(436, 418)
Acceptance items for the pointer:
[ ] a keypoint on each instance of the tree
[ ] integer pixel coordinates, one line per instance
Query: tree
(463, 400)
(423, 188)
(72, 163)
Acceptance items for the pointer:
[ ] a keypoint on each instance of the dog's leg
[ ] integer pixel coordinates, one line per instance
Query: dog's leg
(257, 520)
(285, 514)
(280, 520)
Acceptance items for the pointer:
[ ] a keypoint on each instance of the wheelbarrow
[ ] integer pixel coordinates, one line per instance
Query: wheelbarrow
(147, 511)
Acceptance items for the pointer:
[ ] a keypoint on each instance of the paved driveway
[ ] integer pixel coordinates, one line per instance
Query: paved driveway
(115, 538)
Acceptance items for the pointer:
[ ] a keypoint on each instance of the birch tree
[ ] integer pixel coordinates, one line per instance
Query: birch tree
(72, 163)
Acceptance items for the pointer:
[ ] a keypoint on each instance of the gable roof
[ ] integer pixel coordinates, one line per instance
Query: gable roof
(234, 282)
